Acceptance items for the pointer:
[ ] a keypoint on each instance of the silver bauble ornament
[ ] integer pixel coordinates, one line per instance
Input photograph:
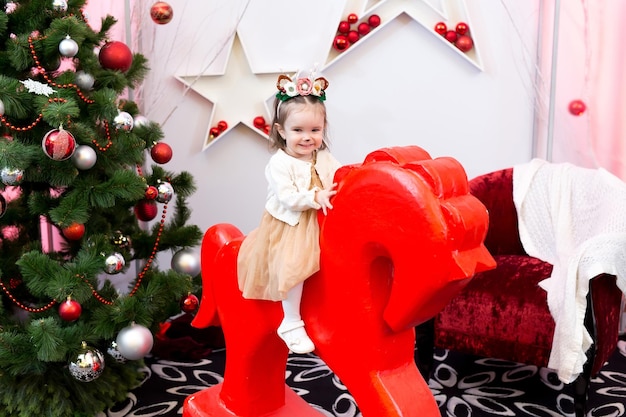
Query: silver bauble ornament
(115, 353)
(68, 47)
(141, 120)
(123, 121)
(59, 5)
(1, 108)
(84, 157)
(11, 176)
(186, 261)
(134, 342)
(165, 192)
(114, 263)
(88, 365)
(84, 80)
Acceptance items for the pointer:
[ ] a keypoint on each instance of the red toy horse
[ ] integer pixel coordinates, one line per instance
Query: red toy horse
(403, 238)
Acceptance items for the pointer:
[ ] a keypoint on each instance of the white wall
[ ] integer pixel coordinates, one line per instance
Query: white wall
(400, 86)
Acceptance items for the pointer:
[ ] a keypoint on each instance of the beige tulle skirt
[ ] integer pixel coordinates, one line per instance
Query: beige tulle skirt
(275, 256)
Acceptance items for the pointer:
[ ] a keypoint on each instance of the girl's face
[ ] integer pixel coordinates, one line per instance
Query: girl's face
(303, 130)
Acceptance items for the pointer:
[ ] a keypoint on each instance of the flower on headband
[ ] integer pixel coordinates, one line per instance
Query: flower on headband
(304, 86)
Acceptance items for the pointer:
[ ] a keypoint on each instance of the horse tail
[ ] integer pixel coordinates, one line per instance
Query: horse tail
(215, 238)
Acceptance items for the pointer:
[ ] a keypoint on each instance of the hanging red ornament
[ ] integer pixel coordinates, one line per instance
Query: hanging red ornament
(146, 210)
(189, 304)
(353, 36)
(151, 193)
(259, 122)
(70, 310)
(451, 36)
(353, 18)
(374, 20)
(115, 56)
(74, 231)
(441, 28)
(577, 107)
(341, 43)
(161, 153)
(364, 29)
(462, 28)
(222, 125)
(161, 12)
(464, 43)
(344, 27)
(58, 144)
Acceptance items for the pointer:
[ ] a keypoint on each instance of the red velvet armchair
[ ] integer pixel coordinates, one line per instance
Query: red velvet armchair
(503, 313)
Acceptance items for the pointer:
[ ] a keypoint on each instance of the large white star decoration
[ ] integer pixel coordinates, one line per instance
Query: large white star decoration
(238, 95)
(425, 12)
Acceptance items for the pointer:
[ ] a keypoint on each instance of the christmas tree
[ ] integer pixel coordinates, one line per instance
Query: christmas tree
(77, 156)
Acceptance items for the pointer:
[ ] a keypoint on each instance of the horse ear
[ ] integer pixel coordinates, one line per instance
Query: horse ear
(282, 80)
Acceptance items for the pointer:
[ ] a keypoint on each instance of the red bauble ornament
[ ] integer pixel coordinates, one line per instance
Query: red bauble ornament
(341, 43)
(464, 43)
(151, 193)
(161, 12)
(577, 107)
(161, 153)
(189, 304)
(344, 27)
(353, 18)
(214, 132)
(441, 28)
(266, 129)
(146, 210)
(74, 231)
(115, 56)
(462, 28)
(451, 36)
(259, 122)
(58, 144)
(70, 310)
(364, 29)
(222, 125)
(353, 36)
(374, 20)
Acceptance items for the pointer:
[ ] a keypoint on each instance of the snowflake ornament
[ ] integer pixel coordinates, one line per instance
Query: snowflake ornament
(38, 88)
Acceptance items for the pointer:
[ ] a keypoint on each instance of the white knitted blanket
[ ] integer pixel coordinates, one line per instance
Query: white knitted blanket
(575, 219)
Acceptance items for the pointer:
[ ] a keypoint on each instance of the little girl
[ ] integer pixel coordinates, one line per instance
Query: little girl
(276, 258)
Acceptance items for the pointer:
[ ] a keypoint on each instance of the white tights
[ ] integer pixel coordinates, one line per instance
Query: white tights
(291, 305)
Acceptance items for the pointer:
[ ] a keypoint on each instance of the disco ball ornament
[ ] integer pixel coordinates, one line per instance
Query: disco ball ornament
(114, 352)
(68, 47)
(58, 144)
(59, 5)
(161, 153)
(88, 365)
(84, 157)
(123, 121)
(84, 81)
(114, 263)
(121, 241)
(115, 55)
(134, 342)
(165, 192)
(11, 176)
(186, 261)
(161, 12)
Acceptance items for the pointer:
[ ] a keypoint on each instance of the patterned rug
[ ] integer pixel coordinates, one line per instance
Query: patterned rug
(463, 386)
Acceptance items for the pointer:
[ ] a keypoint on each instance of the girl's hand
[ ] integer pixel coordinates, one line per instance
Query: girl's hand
(322, 197)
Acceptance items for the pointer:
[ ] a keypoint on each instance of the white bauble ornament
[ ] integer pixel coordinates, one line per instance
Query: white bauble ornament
(141, 120)
(88, 365)
(123, 121)
(1, 108)
(186, 261)
(59, 5)
(68, 47)
(84, 80)
(84, 157)
(134, 342)
(114, 263)
(165, 192)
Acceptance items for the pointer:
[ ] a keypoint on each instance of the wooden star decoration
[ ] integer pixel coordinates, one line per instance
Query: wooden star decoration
(238, 95)
(425, 12)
